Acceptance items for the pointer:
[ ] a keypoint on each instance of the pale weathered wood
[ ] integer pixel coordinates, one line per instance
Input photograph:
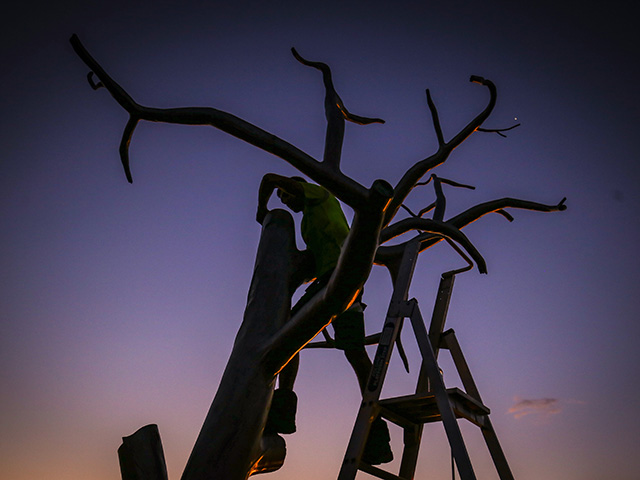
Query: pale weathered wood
(229, 442)
(141, 455)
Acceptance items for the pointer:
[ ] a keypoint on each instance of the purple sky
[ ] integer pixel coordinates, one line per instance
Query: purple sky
(119, 303)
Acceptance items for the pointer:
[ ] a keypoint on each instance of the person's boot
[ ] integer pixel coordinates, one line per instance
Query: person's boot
(282, 414)
(378, 448)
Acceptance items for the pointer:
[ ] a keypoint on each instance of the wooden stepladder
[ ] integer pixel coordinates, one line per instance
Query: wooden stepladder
(432, 401)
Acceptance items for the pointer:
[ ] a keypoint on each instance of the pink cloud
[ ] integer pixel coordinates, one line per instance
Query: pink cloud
(535, 406)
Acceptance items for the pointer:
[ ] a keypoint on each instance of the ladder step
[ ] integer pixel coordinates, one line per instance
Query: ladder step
(378, 472)
(420, 409)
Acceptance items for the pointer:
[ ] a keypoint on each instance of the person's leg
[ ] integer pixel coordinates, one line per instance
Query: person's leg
(287, 376)
(282, 413)
(361, 364)
(349, 333)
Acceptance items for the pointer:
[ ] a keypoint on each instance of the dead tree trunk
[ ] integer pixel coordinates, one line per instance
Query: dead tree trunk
(229, 443)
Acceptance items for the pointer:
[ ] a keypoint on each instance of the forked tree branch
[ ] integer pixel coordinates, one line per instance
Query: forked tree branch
(422, 211)
(440, 229)
(417, 171)
(345, 188)
(327, 172)
(369, 205)
(389, 255)
(336, 113)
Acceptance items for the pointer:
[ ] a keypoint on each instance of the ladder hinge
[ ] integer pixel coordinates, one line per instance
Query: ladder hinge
(403, 308)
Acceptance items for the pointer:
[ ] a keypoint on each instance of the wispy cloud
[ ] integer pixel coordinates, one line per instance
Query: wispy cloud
(535, 406)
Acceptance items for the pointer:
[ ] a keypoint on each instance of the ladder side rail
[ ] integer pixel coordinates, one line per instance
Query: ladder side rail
(497, 454)
(413, 436)
(352, 458)
(451, 343)
(378, 472)
(488, 432)
(369, 408)
(438, 319)
(445, 289)
(393, 322)
(442, 398)
(440, 310)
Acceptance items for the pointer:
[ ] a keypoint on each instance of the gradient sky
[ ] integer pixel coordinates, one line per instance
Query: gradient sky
(119, 303)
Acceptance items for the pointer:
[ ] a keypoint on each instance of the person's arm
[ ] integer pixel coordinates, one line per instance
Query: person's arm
(269, 183)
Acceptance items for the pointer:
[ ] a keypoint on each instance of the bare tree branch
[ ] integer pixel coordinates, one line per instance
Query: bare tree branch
(441, 201)
(346, 189)
(229, 442)
(505, 214)
(498, 130)
(474, 213)
(93, 84)
(336, 113)
(418, 170)
(124, 146)
(426, 209)
(455, 184)
(436, 228)
(435, 119)
(388, 255)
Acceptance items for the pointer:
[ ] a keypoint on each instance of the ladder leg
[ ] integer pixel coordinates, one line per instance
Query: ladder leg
(351, 462)
(489, 434)
(412, 438)
(499, 459)
(451, 427)
(369, 408)
(430, 383)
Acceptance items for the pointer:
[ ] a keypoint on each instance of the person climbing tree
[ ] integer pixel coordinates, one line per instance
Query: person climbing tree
(324, 229)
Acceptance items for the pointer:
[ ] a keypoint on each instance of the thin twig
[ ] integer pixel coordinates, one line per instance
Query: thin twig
(498, 130)
(435, 119)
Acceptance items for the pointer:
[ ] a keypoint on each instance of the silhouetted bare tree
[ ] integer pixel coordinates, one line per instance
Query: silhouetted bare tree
(230, 444)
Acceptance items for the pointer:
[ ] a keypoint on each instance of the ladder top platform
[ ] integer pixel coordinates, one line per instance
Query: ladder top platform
(420, 409)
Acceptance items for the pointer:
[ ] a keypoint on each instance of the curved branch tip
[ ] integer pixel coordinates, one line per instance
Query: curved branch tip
(498, 130)
(561, 206)
(124, 146)
(93, 84)
(483, 81)
(505, 214)
(308, 63)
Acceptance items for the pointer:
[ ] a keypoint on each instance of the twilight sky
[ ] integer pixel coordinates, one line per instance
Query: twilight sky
(119, 303)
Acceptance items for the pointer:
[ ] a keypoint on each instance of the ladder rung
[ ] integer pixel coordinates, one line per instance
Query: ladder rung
(378, 472)
(421, 409)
